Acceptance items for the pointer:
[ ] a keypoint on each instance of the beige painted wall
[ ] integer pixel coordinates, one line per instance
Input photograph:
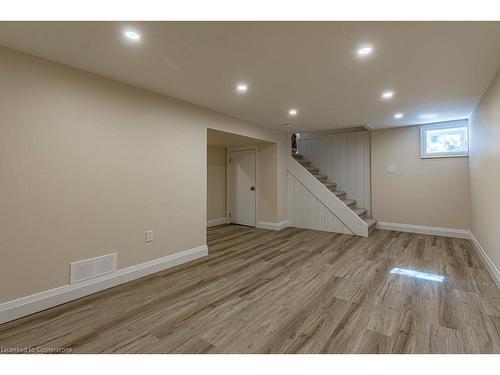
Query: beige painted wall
(485, 171)
(268, 181)
(429, 192)
(216, 182)
(88, 164)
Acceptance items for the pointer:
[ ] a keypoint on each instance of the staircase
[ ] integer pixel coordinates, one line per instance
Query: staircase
(332, 186)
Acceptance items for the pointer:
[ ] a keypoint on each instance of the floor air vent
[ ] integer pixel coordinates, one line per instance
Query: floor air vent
(89, 268)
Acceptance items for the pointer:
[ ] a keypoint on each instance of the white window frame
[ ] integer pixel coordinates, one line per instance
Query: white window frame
(442, 125)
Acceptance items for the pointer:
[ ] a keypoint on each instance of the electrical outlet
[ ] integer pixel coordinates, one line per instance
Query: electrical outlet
(149, 236)
(477, 224)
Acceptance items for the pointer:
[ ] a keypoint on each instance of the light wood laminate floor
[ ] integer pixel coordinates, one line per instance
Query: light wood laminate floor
(290, 291)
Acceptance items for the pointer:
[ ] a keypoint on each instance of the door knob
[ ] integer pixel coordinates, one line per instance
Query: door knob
(252, 188)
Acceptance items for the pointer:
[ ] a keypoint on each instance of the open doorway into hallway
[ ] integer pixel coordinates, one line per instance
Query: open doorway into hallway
(239, 177)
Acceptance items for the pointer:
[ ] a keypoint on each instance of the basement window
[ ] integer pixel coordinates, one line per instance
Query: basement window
(444, 139)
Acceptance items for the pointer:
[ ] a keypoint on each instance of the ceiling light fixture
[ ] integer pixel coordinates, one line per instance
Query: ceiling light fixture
(398, 115)
(364, 51)
(242, 87)
(132, 35)
(292, 112)
(387, 95)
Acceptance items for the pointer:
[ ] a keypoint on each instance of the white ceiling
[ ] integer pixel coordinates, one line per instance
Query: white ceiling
(438, 70)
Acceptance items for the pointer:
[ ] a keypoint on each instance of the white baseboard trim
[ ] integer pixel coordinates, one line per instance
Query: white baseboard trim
(436, 231)
(219, 221)
(24, 306)
(490, 266)
(448, 232)
(272, 226)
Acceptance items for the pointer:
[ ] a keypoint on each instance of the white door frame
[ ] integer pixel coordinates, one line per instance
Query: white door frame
(228, 180)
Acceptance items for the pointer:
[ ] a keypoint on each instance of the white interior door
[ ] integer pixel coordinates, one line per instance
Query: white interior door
(243, 187)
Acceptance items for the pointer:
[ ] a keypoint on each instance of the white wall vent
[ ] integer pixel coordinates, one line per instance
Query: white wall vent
(93, 267)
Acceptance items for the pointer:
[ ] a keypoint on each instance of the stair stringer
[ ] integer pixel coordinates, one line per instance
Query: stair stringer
(311, 205)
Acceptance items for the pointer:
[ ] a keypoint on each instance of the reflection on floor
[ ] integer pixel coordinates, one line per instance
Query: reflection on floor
(418, 274)
(293, 291)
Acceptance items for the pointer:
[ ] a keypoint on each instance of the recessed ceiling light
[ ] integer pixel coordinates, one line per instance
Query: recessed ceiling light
(242, 87)
(364, 51)
(387, 95)
(132, 35)
(398, 115)
(292, 112)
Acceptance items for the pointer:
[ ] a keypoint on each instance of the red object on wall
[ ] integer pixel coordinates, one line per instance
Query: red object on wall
(294, 143)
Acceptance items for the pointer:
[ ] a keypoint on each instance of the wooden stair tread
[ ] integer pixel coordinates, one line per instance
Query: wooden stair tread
(349, 202)
(359, 211)
(370, 222)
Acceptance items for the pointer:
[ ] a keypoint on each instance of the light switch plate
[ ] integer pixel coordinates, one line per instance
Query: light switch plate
(391, 168)
(149, 236)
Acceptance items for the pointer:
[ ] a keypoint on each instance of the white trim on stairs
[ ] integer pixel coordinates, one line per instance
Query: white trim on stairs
(490, 266)
(24, 306)
(272, 226)
(349, 219)
(436, 231)
(218, 221)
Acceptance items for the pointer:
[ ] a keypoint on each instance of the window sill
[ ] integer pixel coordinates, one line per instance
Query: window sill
(442, 156)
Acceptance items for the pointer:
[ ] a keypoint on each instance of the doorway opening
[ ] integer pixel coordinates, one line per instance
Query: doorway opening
(233, 184)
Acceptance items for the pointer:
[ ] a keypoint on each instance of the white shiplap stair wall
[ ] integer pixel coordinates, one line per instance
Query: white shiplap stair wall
(345, 159)
(306, 211)
(311, 205)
